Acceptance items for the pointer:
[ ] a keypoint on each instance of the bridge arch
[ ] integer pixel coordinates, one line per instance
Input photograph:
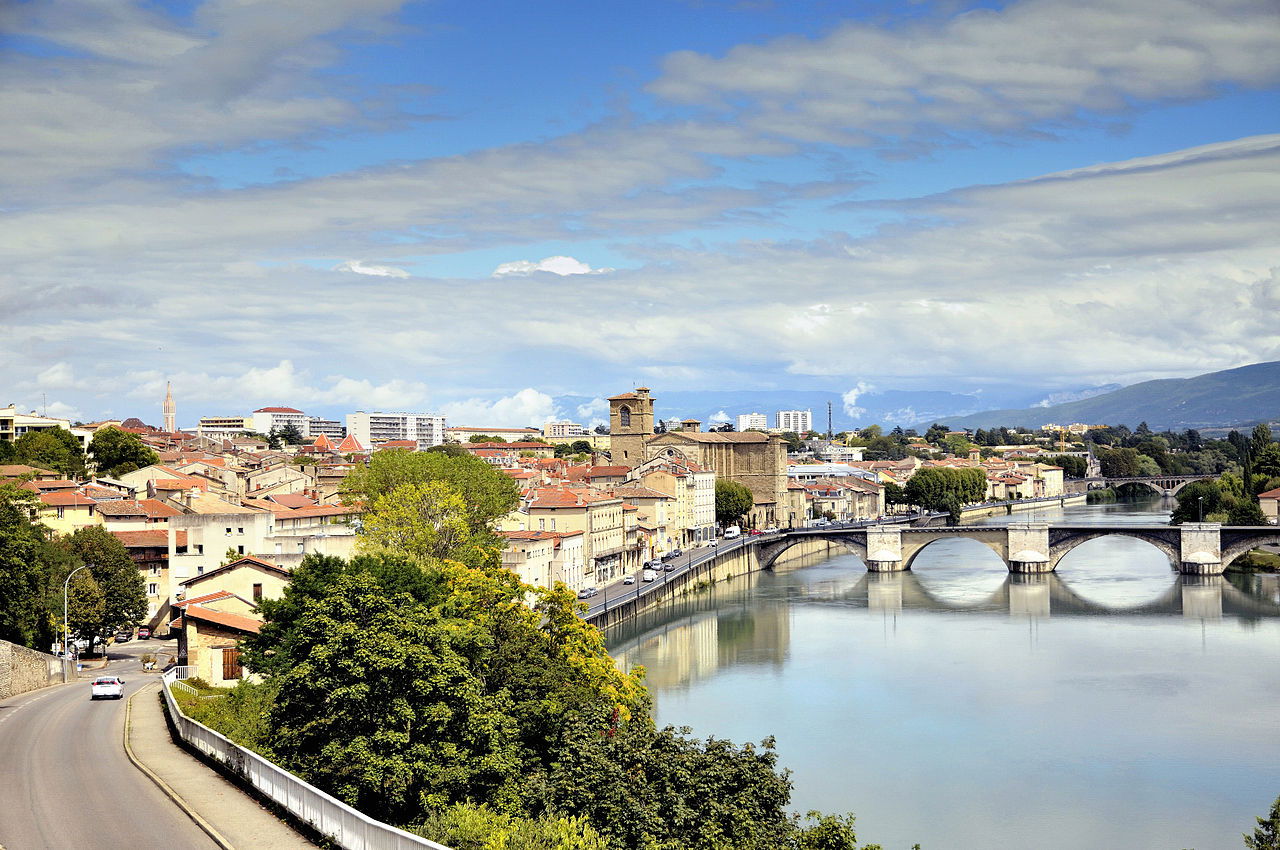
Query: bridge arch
(911, 549)
(1168, 543)
(1240, 546)
(768, 553)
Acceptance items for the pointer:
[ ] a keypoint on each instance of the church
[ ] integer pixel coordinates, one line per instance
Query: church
(757, 461)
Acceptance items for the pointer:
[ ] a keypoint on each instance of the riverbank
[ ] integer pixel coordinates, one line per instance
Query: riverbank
(987, 509)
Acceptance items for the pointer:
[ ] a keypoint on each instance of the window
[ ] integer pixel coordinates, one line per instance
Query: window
(199, 571)
(228, 529)
(61, 511)
(199, 548)
(153, 589)
(553, 523)
(542, 524)
(239, 550)
(624, 416)
(257, 593)
(239, 531)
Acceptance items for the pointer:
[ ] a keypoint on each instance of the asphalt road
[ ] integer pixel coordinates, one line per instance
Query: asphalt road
(65, 781)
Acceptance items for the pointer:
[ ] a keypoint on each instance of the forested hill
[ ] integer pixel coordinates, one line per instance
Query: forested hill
(1242, 396)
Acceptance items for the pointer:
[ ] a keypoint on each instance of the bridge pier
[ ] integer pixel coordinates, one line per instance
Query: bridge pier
(1029, 595)
(1200, 552)
(884, 549)
(1028, 548)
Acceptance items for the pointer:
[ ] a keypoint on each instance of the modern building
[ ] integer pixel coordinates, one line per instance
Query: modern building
(563, 428)
(331, 428)
(798, 421)
(268, 419)
(747, 421)
(221, 427)
(370, 429)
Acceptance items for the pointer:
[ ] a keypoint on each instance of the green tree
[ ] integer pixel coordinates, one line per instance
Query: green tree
(935, 433)
(485, 438)
(1197, 495)
(116, 574)
(289, 435)
(24, 574)
(427, 521)
(1259, 440)
(468, 826)
(944, 488)
(581, 447)
(487, 493)
(733, 501)
(894, 494)
(113, 450)
(1072, 466)
(51, 448)
(1266, 836)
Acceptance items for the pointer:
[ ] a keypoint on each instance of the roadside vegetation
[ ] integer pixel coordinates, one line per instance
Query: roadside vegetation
(428, 687)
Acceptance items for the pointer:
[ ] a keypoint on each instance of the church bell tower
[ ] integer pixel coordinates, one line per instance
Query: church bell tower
(170, 412)
(630, 426)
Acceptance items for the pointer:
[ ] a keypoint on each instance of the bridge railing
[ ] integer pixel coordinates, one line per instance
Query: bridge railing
(342, 825)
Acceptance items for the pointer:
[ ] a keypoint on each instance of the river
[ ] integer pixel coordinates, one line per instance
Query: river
(1113, 704)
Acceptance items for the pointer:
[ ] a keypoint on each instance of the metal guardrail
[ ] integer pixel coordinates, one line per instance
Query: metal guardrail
(344, 826)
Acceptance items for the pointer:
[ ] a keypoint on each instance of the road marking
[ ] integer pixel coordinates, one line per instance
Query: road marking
(161, 784)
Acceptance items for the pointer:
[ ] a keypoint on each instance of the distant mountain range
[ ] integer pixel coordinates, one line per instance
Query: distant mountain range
(1233, 397)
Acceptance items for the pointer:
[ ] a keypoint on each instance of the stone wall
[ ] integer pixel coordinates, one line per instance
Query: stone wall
(23, 669)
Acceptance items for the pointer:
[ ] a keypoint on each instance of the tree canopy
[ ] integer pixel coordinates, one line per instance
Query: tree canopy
(733, 501)
(116, 452)
(945, 488)
(51, 448)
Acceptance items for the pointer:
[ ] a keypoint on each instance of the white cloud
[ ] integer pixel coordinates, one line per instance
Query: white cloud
(850, 399)
(373, 269)
(528, 407)
(720, 416)
(595, 411)
(561, 265)
(1031, 64)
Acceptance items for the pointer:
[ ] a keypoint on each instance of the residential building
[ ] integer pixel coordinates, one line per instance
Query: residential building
(14, 424)
(563, 428)
(597, 515)
(462, 434)
(692, 517)
(529, 554)
(268, 419)
(758, 421)
(214, 528)
(224, 427)
(331, 428)
(798, 421)
(370, 429)
(1270, 504)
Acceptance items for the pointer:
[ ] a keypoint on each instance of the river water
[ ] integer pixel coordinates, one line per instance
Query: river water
(1113, 704)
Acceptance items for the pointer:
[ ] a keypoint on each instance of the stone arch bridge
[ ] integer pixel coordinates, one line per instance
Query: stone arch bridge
(1163, 485)
(1192, 548)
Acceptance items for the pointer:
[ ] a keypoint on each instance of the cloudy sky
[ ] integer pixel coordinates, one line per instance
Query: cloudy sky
(474, 207)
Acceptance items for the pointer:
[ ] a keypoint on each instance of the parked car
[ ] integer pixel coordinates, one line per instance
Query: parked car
(630, 578)
(123, 635)
(144, 633)
(648, 575)
(587, 592)
(107, 687)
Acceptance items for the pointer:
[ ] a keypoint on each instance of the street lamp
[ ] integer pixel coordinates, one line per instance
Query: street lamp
(1200, 499)
(66, 627)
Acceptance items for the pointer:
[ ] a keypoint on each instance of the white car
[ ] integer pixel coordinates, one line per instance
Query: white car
(111, 687)
(630, 579)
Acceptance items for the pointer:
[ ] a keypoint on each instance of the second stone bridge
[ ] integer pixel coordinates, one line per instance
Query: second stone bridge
(1192, 548)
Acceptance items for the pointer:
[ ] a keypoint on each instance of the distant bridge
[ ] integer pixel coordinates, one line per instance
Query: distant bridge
(1192, 548)
(1164, 485)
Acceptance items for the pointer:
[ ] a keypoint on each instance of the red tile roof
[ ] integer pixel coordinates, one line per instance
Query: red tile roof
(292, 500)
(156, 508)
(121, 507)
(277, 410)
(399, 444)
(350, 444)
(1270, 494)
(239, 622)
(150, 538)
(208, 597)
(247, 560)
(63, 498)
(323, 443)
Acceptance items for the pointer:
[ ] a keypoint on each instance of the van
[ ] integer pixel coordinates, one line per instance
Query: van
(731, 532)
(648, 575)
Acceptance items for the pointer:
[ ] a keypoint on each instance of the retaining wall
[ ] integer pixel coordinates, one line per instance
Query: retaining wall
(23, 669)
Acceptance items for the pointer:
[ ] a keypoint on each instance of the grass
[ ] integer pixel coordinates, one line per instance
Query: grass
(1257, 561)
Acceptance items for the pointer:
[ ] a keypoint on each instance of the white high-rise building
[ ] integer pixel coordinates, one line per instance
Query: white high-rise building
(798, 421)
(426, 429)
(563, 428)
(747, 421)
(268, 419)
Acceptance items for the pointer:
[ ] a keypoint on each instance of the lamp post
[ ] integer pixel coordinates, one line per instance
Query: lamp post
(1200, 499)
(66, 627)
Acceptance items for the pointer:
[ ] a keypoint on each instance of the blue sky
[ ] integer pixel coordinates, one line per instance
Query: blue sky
(348, 205)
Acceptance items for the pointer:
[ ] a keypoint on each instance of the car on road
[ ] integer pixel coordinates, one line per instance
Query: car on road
(144, 633)
(674, 553)
(648, 575)
(755, 532)
(629, 579)
(773, 530)
(587, 592)
(107, 687)
(669, 567)
(123, 635)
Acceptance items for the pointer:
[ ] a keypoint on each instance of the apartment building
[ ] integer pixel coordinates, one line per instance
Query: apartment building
(747, 421)
(223, 427)
(563, 428)
(598, 516)
(331, 428)
(798, 421)
(371, 429)
(268, 419)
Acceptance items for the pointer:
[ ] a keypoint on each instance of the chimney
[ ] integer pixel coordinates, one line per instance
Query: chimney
(690, 425)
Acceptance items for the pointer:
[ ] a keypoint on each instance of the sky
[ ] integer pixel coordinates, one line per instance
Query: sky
(474, 208)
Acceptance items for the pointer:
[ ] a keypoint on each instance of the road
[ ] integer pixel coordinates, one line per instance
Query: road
(65, 781)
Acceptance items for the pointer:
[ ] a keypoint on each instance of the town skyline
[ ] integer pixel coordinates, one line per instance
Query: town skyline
(430, 207)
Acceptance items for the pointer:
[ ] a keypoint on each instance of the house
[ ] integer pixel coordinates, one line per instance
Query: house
(1270, 504)
(209, 640)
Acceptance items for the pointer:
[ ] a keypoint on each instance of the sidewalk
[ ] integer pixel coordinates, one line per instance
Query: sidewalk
(239, 819)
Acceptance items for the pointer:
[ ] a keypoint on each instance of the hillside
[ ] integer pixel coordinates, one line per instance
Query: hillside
(1242, 396)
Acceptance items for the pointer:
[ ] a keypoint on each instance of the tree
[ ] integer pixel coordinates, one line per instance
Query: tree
(1266, 836)
(51, 448)
(114, 450)
(1259, 440)
(581, 447)
(23, 573)
(124, 596)
(872, 431)
(1197, 499)
(733, 501)
(724, 427)
(427, 521)
(487, 493)
(793, 441)
(894, 494)
(945, 488)
(602, 430)
(1072, 466)
(289, 435)
(935, 433)
(485, 438)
